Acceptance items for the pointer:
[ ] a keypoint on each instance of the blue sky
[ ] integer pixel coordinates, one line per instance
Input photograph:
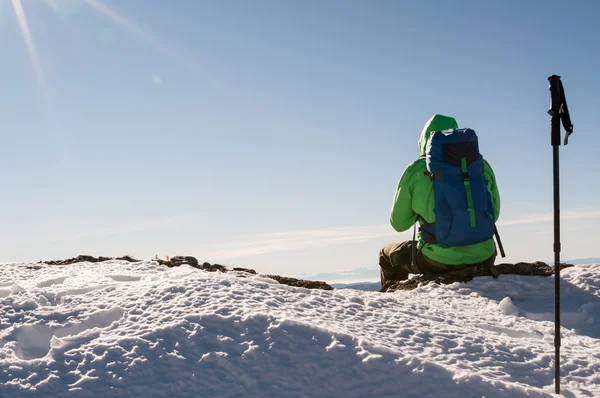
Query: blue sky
(272, 134)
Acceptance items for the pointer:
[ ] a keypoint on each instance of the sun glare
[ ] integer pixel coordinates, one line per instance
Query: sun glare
(137, 30)
(35, 60)
(100, 7)
(127, 24)
(96, 5)
(52, 4)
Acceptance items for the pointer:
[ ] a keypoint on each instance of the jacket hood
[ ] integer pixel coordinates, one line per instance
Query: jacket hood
(435, 123)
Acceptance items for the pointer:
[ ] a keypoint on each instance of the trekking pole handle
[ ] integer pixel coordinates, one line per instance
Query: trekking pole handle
(559, 111)
(554, 110)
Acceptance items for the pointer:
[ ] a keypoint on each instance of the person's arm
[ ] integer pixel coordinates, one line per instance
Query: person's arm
(492, 187)
(402, 216)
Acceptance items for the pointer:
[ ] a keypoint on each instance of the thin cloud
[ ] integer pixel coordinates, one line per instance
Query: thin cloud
(547, 217)
(252, 245)
(295, 240)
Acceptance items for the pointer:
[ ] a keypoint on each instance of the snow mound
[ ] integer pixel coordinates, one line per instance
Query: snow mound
(120, 329)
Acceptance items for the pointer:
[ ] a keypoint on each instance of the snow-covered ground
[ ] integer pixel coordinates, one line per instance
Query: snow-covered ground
(120, 329)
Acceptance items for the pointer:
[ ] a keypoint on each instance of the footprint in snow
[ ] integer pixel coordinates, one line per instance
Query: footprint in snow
(52, 282)
(125, 278)
(34, 341)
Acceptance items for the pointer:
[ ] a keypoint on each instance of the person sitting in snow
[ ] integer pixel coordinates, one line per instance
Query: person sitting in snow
(415, 201)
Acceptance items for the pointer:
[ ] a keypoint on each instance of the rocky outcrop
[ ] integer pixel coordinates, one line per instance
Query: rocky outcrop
(192, 262)
(464, 275)
(248, 270)
(301, 282)
(178, 261)
(90, 259)
(537, 268)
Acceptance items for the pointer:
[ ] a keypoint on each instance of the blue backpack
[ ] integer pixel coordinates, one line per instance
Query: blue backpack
(464, 214)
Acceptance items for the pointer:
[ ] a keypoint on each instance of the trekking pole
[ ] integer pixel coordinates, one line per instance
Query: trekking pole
(558, 111)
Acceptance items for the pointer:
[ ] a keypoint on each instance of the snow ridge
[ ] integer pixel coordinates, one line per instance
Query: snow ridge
(119, 329)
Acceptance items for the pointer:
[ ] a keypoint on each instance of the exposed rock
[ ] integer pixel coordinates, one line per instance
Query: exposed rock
(248, 270)
(90, 259)
(177, 261)
(537, 268)
(128, 258)
(181, 260)
(214, 267)
(300, 282)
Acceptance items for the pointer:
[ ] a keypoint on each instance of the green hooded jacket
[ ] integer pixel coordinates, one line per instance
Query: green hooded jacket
(414, 196)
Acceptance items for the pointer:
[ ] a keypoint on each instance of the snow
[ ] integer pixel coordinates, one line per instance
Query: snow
(119, 329)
